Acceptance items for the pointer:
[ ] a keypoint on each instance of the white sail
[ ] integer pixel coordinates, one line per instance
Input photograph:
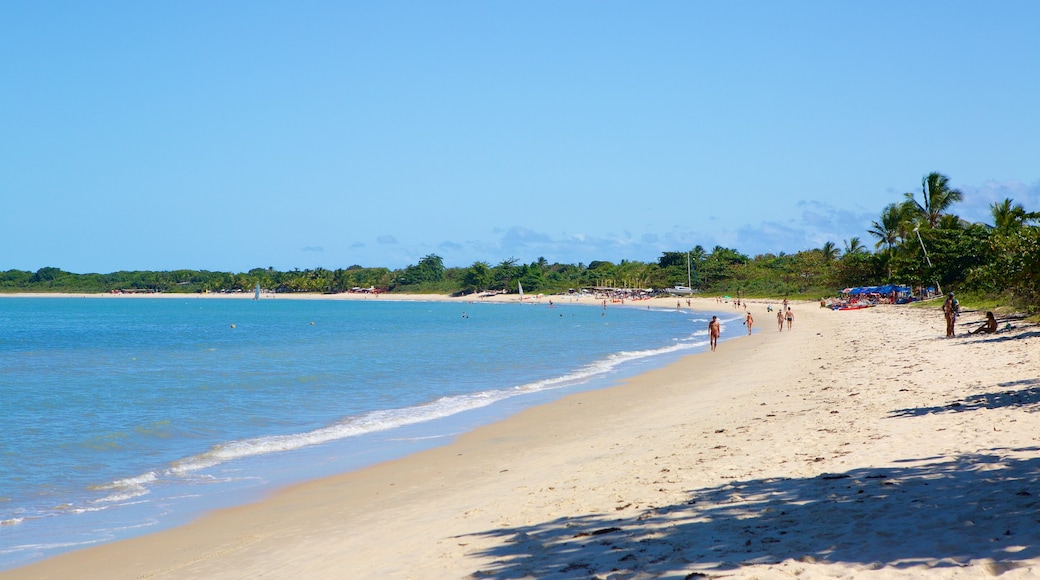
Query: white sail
(256, 295)
(521, 288)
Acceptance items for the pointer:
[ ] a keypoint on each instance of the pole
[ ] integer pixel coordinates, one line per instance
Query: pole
(689, 280)
(926, 259)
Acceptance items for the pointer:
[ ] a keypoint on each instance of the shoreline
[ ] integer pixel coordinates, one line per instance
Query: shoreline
(859, 442)
(55, 542)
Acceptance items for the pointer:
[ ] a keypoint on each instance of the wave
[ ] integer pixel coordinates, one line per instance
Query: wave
(126, 489)
(388, 419)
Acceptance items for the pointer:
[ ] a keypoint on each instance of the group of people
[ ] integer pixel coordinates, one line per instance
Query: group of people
(784, 314)
(952, 308)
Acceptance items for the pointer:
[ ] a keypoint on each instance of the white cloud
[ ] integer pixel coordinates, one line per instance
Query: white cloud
(978, 198)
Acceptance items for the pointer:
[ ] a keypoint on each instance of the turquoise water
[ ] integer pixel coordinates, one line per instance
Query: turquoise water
(123, 416)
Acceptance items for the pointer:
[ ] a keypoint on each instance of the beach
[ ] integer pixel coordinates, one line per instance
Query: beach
(858, 443)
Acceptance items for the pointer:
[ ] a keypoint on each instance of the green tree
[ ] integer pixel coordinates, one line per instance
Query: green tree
(1008, 216)
(892, 227)
(477, 277)
(854, 246)
(830, 252)
(936, 198)
(429, 269)
(504, 274)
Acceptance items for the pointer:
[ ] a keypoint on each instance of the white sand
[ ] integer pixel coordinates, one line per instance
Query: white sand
(859, 444)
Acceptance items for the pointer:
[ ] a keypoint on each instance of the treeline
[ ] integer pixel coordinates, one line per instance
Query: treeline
(723, 270)
(919, 242)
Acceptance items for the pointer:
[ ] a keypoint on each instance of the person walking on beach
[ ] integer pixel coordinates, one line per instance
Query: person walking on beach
(790, 317)
(714, 329)
(950, 310)
(780, 320)
(748, 320)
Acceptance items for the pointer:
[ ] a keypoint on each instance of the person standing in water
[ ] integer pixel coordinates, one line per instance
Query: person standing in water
(748, 320)
(714, 330)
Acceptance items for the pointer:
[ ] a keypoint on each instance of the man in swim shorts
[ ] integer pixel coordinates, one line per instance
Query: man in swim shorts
(714, 330)
(790, 317)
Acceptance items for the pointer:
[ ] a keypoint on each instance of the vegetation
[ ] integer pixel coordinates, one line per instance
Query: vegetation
(917, 241)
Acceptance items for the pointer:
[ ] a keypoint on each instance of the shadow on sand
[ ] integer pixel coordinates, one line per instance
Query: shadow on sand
(996, 400)
(935, 512)
(1001, 337)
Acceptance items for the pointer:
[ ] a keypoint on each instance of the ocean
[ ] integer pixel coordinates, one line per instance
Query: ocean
(122, 416)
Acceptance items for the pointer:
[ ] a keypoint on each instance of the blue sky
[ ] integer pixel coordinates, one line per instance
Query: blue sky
(234, 135)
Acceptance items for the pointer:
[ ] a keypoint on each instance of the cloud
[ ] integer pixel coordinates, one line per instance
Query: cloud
(521, 236)
(357, 245)
(978, 198)
(386, 240)
(313, 249)
(815, 224)
(825, 217)
(771, 238)
(803, 226)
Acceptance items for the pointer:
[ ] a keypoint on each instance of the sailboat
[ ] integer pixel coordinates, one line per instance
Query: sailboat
(256, 295)
(521, 288)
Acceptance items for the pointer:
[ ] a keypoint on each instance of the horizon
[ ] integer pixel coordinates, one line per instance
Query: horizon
(220, 137)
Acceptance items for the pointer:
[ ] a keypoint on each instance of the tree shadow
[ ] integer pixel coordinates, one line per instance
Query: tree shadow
(1002, 336)
(924, 513)
(996, 400)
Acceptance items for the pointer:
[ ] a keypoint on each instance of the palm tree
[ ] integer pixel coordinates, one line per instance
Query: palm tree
(830, 251)
(697, 256)
(1007, 217)
(892, 226)
(853, 246)
(949, 221)
(937, 197)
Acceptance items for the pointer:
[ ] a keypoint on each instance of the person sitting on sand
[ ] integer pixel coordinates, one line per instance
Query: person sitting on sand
(989, 327)
(714, 329)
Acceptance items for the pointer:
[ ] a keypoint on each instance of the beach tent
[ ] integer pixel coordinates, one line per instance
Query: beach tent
(883, 290)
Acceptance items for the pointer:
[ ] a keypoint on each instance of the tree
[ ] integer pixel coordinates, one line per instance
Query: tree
(892, 227)
(853, 246)
(1008, 217)
(937, 197)
(477, 277)
(429, 269)
(47, 274)
(504, 273)
(830, 252)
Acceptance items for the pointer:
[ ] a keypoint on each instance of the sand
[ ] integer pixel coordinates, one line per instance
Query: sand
(859, 444)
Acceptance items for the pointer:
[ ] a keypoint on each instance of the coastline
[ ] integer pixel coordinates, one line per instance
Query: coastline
(859, 441)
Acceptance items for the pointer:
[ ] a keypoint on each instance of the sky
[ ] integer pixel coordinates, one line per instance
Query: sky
(236, 135)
